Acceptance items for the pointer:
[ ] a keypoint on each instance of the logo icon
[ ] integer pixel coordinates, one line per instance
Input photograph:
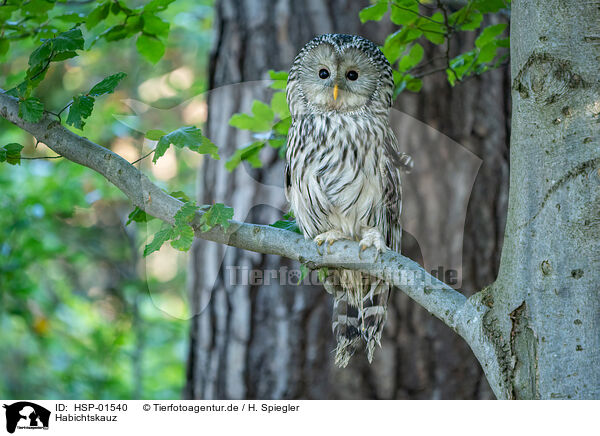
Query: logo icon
(26, 415)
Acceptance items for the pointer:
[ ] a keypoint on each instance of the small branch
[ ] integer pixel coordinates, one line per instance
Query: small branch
(40, 157)
(430, 72)
(448, 38)
(437, 297)
(143, 157)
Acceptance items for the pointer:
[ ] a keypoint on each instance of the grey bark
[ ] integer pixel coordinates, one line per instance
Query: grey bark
(545, 305)
(274, 341)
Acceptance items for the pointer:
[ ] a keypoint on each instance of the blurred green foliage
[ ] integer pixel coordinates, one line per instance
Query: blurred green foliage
(80, 314)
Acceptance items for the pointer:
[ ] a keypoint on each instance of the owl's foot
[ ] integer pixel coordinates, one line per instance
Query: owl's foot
(330, 237)
(372, 238)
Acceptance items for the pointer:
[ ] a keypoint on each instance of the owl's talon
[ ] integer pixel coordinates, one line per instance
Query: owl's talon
(330, 237)
(372, 238)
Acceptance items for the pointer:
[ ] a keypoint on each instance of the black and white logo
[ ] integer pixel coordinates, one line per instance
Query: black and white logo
(26, 415)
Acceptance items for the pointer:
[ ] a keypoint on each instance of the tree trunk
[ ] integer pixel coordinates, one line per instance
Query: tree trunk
(545, 305)
(274, 341)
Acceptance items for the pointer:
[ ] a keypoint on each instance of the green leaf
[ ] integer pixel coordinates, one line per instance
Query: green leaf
(404, 12)
(374, 12)
(279, 105)
(116, 33)
(393, 47)
(276, 142)
(150, 47)
(80, 109)
(283, 126)
(303, 273)
(154, 135)
(180, 195)
(139, 216)
(289, 225)
(262, 121)
(37, 7)
(134, 25)
(107, 85)
(279, 79)
(154, 25)
(162, 236)
(31, 110)
(489, 33)
(190, 137)
(185, 238)
(486, 53)
(6, 12)
(489, 6)
(414, 84)
(466, 18)
(64, 56)
(323, 273)
(186, 213)
(262, 112)
(157, 5)
(434, 31)
(207, 147)
(4, 46)
(70, 40)
(250, 153)
(11, 153)
(243, 122)
(98, 14)
(218, 214)
(74, 18)
(413, 57)
(41, 54)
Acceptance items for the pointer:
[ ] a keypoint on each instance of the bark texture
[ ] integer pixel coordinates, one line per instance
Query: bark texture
(274, 341)
(545, 304)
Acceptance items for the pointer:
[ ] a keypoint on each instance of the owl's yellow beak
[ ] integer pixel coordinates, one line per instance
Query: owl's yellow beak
(335, 92)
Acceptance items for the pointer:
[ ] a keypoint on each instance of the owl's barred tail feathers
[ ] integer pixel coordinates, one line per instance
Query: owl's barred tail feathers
(345, 324)
(351, 324)
(373, 314)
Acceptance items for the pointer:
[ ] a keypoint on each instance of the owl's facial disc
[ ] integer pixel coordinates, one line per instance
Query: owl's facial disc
(343, 80)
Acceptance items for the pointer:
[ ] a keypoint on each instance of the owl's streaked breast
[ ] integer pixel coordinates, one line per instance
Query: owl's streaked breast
(334, 164)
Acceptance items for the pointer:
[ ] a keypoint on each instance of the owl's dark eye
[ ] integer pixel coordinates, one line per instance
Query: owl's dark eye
(323, 73)
(352, 75)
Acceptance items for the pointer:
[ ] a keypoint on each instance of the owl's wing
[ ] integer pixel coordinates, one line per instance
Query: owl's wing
(394, 161)
(287, 181)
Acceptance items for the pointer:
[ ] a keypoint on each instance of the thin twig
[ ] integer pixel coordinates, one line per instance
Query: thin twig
(416, 13)
(41, 157)
(430, 72)
(448, 38)
(143, 157)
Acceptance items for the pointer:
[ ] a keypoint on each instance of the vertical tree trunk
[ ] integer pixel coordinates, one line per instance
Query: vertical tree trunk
(545, 303)
(274, 341)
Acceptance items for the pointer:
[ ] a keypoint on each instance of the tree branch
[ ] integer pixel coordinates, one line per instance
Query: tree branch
(454, 309)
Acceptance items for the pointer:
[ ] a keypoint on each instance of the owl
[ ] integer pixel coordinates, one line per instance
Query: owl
(342, 175)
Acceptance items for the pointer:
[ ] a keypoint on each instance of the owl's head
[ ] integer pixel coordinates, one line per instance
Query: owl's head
(343, 73)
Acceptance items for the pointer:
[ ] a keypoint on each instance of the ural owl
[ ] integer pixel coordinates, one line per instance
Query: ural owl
(342, 175)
